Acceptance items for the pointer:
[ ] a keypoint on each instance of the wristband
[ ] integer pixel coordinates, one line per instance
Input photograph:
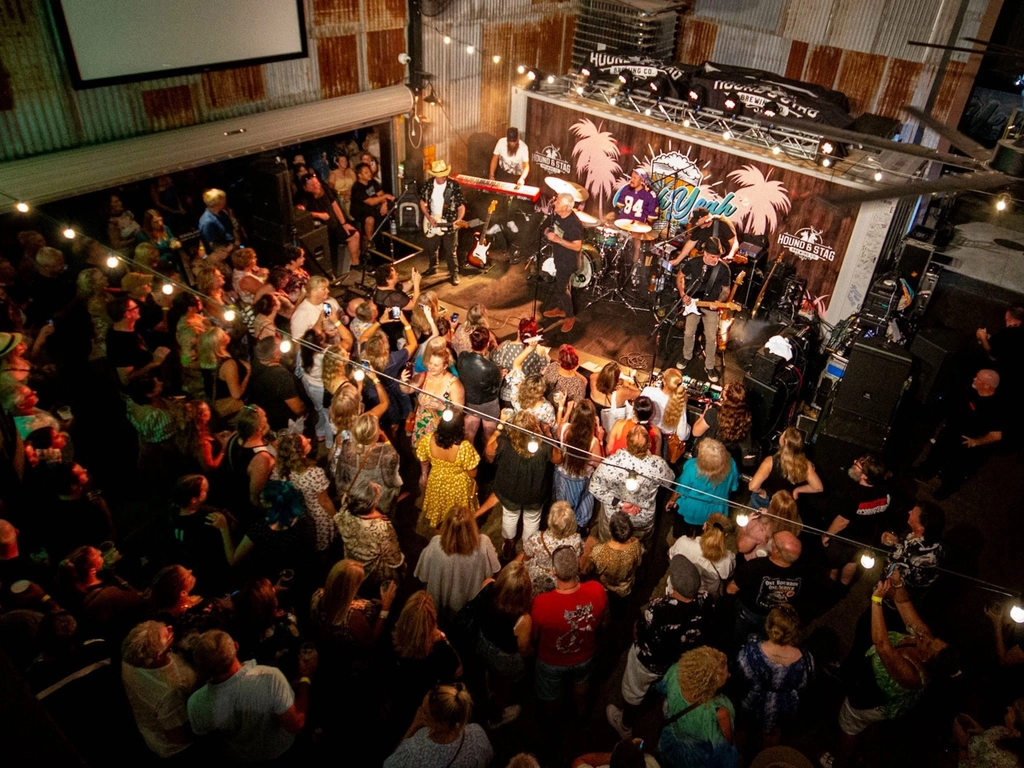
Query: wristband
(305, 680)
(876, 599)
(384, 614)
(45, 598)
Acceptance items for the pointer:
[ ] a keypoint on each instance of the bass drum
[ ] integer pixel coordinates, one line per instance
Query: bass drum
(582, 277)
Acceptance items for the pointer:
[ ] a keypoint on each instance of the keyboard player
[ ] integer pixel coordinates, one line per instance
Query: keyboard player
(509, 163)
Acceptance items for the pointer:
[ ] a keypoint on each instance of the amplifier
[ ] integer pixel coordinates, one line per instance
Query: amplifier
(765, 366)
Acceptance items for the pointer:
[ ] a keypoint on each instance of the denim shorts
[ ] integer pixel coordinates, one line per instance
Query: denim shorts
(551, 681)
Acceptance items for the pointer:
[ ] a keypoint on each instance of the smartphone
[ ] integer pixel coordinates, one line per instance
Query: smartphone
(327, 309)
(889, 570)
(455, 318)
(395, 313)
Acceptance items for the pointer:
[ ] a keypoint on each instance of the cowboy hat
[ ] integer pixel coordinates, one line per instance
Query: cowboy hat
(9, 341)
(439, 168)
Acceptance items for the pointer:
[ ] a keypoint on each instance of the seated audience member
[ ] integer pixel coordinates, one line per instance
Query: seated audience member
(456, 562)
(919, 553)
(322, 203)
(159, 235)
(667, 628)
(216, 227)
(1000, 745)
(122, 228)
(248, 279)
(368, 202)
(710, 553)
(272, 386)
(273, 713)
(860, 514)
(774, 671)
(537, 550)
(614, 562)
(51, 289)
(158, 683)
(442, 735)
(703, 488)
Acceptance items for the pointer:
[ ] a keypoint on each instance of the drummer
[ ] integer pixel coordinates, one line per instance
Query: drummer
(703, 227)
(637, 203)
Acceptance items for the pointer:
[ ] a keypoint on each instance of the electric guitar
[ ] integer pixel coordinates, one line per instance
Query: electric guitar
(694, 307)
(764, 288)
(478, 256)
(443, 227)
(724, 321)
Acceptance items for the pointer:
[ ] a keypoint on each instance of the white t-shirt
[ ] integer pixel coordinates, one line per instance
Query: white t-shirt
(660, 400)
(437, 198)
(512, 164)
(713, 575)
(244, 708)
(305, 316)
(159, 702)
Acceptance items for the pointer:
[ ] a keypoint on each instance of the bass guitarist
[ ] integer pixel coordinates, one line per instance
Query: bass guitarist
(444, 211)
(705, 225)
(703, 279)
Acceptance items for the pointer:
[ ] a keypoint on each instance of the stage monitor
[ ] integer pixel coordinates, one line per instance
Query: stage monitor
(111, 41)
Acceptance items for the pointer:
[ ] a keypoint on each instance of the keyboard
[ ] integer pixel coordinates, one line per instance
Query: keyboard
(501, 187)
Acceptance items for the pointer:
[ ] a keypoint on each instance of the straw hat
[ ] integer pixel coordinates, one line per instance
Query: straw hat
(439, 168)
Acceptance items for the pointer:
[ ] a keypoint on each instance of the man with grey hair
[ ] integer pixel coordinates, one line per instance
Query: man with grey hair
(158, 683)
(566, 236)
(765, 583)
(51, 290)
(216, 228)
(251, 706)
(565, 623)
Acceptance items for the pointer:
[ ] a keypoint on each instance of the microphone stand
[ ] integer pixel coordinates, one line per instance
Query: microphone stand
(388, 217)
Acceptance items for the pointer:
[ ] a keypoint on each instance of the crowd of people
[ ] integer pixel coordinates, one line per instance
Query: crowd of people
(306, 567)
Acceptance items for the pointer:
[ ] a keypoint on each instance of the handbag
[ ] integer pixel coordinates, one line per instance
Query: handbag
(675, 448)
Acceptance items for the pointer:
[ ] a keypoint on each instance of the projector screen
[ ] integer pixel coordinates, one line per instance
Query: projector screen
(118, 41)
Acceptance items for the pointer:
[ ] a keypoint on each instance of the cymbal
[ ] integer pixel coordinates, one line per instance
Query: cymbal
(646, 236)
(586, 219)
(562, 186)
(633, 227)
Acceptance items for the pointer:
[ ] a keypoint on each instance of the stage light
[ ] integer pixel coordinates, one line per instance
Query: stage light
(69, 233)
(22, 207)
(727, 134)
(826, 147)
(1002, 203)
(496, 59)
(632, 482)
(1017, 614)
(531, 75)
(579, 90)
(551, 79)
(612, 101)
(686, 123)
(826, 162)
(867, 561)
(878, 176)
(533, 446)
(111, 261)
(625, 80)
(448, 414)
(167, 289)
(732, 103)
(776, 149)
(585, 72)
(742, 520)
(647, 112)
(521, 69)
(697, 95)
(770, 109)
(285, 346)
(229, 315)
(447, 40)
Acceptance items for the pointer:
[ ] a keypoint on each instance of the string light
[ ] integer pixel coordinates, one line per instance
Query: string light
(22, 207)
(285, 346)
(878, 176)
(867, 561)
(69, 233)
(470, 49)
(112, 261)
(496, 59)
(448, 414)
(229, 315)
(533, 446)
(447, 40)
(612, 101)
(632, 482)
(531, 75)
(359, 374)
(647, 112)
(168, 289)
(1017, 614)
(1002, 203)
(742, 520)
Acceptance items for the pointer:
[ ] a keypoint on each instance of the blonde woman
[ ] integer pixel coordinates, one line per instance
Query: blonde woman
(341, 620)
(455, 562)
(225, 377)
(441, 734)
(788, 470)
(672, 414)
(368, 457)
(703, 488)
(712, 553)
(699, 725)
(439, 389)
(537, 549)
(424, 655)
(476, 316)
(755, 538)
(295, 466)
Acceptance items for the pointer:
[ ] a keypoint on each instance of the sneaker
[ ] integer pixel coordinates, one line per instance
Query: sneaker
(826, 760)
(614, 715)
(554, 313)
(431, 271)
(713, 377)
(513, 228)
(455, 279)
(508, 715)
(568, 324)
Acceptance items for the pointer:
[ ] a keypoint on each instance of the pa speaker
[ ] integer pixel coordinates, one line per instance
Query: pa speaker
(875, 379)
(766, 405)
(933, 350)
(270, 192)
(317, 245)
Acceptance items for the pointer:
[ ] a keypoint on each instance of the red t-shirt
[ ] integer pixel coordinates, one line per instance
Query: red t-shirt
(566, 624)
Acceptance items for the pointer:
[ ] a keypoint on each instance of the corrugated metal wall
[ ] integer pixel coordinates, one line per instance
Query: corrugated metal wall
(353, 47)
(859, 47)
(473, 89)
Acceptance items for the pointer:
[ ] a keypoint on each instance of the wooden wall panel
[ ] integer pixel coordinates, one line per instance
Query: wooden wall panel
(382, 49)
(696, 40)
(339, 66)
(797, 58)
(169, 107)
(823, 65)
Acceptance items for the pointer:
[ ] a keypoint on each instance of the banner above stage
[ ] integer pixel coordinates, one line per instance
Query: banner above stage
(755, 89)
(761, 199)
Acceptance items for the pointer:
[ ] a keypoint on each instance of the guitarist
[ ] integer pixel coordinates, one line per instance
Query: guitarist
(704, 279)
(444, 210)
(703, 227)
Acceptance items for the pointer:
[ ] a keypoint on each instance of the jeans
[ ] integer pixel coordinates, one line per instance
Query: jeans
(710, 318)
(510, 520)
(324, 428)
(446, 244)
(560, 297)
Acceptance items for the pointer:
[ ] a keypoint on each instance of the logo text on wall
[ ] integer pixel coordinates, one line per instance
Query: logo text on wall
(807, 245)
(550, 159)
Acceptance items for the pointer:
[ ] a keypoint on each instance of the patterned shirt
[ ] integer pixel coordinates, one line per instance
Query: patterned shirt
(917, 561)
(452, 198)
(609, 484)
(668, 627)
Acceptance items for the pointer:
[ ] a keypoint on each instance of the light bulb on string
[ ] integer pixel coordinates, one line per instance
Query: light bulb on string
(632, 482)
(285, 346)
(69, 233)
(1002, 203)
(111, 261)
(647, 112)
(447, 40)
(1017, 614)
(21, 207)
(533, 446)
(448, 414)
(496, 59)
(359, 374)
(470, 49)
(229, 315)
(167, 288)
(878, 176)
(867, 560)
(742, 520)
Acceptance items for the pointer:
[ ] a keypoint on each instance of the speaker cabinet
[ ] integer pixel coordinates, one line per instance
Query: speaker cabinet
(317, 245)
(270, 192)
(933, 350)
(766, 404)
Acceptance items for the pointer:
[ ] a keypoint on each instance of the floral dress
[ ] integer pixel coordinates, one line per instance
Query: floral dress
(774, 688)
(538, 549)
(311, 484)
(449, 484)
(427, 412)
(373, 542)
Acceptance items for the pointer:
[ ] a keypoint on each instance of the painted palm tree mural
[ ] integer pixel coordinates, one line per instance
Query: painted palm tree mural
(596, 154)
(759, 200)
